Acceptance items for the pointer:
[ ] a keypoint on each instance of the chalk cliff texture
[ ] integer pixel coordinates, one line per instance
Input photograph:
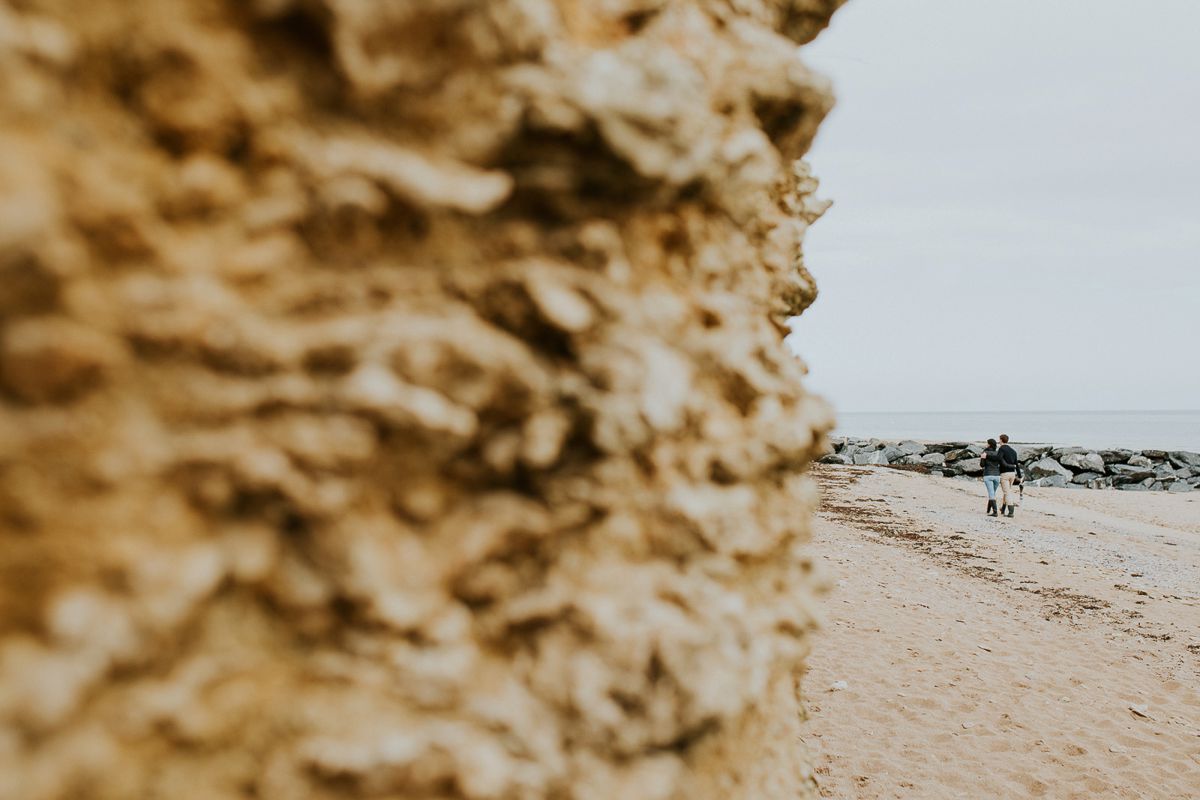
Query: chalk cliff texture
(392, 398)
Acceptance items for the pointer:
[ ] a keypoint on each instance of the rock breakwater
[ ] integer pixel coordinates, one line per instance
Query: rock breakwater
(1043, 465)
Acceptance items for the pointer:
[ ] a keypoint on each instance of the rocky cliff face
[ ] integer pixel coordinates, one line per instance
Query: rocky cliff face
(392, 398)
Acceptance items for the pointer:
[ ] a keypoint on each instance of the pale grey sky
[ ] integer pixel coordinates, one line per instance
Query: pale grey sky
(1016, 219)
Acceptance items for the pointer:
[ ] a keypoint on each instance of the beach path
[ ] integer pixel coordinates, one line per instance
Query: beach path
(1056, 654)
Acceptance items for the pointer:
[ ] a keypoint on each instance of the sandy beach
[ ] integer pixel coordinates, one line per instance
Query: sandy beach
(1056, 654)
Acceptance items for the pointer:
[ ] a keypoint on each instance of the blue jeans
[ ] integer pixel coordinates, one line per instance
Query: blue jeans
(992, 482)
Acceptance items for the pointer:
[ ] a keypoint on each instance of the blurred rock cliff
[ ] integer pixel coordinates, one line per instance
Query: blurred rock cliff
(393, 402)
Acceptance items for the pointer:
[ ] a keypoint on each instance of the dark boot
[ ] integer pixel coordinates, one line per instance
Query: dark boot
(1011, 509)
(1003, 509)
(991, 509)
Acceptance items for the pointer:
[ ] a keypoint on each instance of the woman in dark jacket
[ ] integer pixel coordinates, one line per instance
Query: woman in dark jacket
(990, 461)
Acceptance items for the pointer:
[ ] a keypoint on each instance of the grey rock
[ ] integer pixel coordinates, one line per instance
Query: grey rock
(834, 458)
(892, 453)
(1139, 461)
(1124, 473)
(1132, 487)
(1180, 486)
(970, 466)
(1155, 455)
(1163, 472)
(1086, 477)
(911, 460)
(1105, 482)
(1183, 458)
(937, 473)
(1051, 481)
(1059, 452)
(1156, 486)
(946, 447)
(911, 448)
(968, 452)
(1085, 462)
(1116, 456)
(868, 457)
(934, 459)
(1048, 467)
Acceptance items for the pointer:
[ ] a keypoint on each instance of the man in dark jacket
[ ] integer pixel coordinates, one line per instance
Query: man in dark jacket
(1010, 475)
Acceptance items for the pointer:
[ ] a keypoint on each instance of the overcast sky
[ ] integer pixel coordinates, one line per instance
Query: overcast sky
(1016, 219)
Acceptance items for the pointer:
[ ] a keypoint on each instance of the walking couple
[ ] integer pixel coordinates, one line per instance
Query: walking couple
(1001, 470)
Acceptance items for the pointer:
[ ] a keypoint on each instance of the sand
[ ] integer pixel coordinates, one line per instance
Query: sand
(1056, 654)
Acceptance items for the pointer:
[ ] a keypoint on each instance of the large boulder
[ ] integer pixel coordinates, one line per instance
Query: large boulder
(1127, 473)
(1139, 460)
(1155, 455)
(945, 447)
(1184, 458)
(834, 458)
(970, 466)
(911, 448)
(1052, 481)
(1118, 456)
(1164, 472)
(1032, 452)
(934, 459)
(968, 451)
(1048, 467)
(870, 457)
(1180, 486)
(1083, 462)
(1081, 477)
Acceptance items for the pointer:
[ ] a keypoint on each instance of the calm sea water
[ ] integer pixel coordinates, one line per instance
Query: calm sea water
(1164, 430)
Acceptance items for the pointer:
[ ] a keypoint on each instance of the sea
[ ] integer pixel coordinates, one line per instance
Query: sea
(1139, 430)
